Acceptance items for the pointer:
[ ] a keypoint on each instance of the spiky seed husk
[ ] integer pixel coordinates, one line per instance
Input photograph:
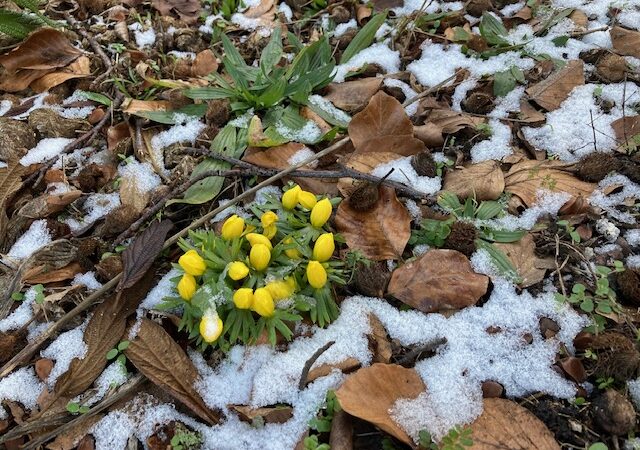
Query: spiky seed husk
(462, 238)
(617, 356)
(631, 169)
(371, 281)
(365, 196)
(629, 286)
(596, 166)
(613, 413)
(424, 164)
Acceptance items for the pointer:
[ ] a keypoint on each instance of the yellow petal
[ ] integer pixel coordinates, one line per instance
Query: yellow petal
(307, 199)
(192, 263)
(243, 298)
(321, 213)
(238, 270)
(270, 231)
(292, 253)
(259, 256)
(232, 227)
(187, 286)
(324, 247)
(210, 326)
(290, 197)
(316, 274)
(255, 238)
(263, 302)
(268, 218)
(281, 289)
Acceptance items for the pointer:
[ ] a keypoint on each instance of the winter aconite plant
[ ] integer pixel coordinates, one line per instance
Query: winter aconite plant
(260, 274)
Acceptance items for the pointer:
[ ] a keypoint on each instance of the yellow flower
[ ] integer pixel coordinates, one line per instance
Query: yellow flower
(192, 263)
(281, 289)
(243, 298)
(270, 231)
(316, 274)
(263, 302)
(292, 253)
(255, 238)
(187, 286)
(210, 326)
(307, 199)
(238, 270)
(321, 213)
(232, 227)
(268, 218)
(324, 247)
(259, 256)
(290, 198)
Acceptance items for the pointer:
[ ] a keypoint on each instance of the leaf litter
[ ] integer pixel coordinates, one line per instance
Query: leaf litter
(507, 132)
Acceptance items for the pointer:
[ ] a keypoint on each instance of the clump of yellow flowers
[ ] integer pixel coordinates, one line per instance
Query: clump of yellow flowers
(261, 273)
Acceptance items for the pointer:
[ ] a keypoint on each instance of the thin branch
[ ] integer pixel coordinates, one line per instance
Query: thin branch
(307, 366)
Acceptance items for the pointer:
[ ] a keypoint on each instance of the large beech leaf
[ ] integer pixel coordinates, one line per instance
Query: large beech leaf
(138, 257)
(438, 280)
(162, 360)
(104, 330)
(384, 125)
(529, 267)
(625, 42)
(551, 92)
(44, 49)
(10, 182)
(371, 392)
(381, 233)
(482, 181)
(505, 424)
(353, 96)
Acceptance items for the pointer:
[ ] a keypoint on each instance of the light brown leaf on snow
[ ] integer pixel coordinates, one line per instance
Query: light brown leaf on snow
(438, 280)
(353, 96)
(371, 393)
(483, 181)
(80, 68)
(381, 233)
(555, 89)
(505, 424)
(522, 254)
(625, 42)
(384, 125)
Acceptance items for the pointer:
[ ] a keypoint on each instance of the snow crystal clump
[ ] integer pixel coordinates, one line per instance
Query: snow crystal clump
(286, 11)
(568, 132)
(21, 315)
(301, 155)
(633, 261)
(21, 386)
(609, 202)
(186, 129)
(633, 237)
(46, 149)
(496, 147)
(328, 107)
(163, 289)
(113, 376)
(88, 280)
(96, 207)
(36, 237)
(634, 391)
(308, 134)
(64, 349)
(143, 38)
(140, 174)
(546, 203)
(379, 54)
(405, 173)
(251, 24)
(342, 28)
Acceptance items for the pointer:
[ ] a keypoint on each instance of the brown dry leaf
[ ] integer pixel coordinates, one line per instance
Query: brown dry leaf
(384, 124)
(523, 256)
(371, 393)
(138, 257)
(104, 330)
(269, 414)
(430, 134)
(626, 127)
(379, 341)
(341, 435)
(381, 5)
(46, 204)
(482, 181)
(116, 134)
(133, 106)
(278, 158)
(158, 357)
(10, 183)
(449, 121)
(505, 424)
(526, 178)
(381, 233)
(529, 114)
(21, 79)
(262, 8)
(44, 49)
(204, 63)
(69, 439)
(346, 366)
(365, 163)
(131, 194)
(438, 280)
(625, 42)
(80, 68)
(187, 10)
(64, 273)
(353, 96)
(555, 89)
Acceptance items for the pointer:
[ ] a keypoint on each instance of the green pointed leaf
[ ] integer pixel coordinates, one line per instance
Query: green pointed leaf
(364, 38)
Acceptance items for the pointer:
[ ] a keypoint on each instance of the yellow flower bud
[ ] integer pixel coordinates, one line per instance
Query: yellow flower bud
(307, 199)
(281, 289)
(187, 286)
(324, 247)
(233, 227)
(290, 198)
(270, 231)
(255, 238)
(238, 270)
(192, 263)
(210, 326)
(316, 274)
(259, 256)
(243, 298)
(268, 218)
(263, 303)
(321, 213)
(292, 253)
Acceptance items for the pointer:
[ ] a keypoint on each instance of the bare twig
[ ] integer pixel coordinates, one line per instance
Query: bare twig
(307, 366)
(412, 355)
